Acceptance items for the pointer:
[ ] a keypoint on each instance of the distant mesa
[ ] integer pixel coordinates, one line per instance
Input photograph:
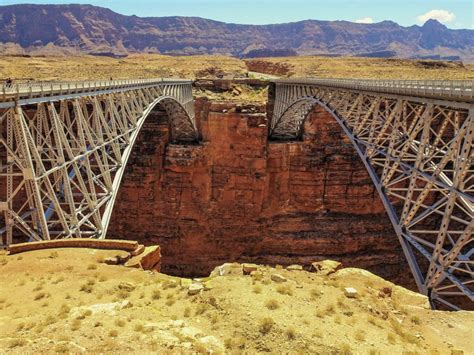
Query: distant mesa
(86, 29)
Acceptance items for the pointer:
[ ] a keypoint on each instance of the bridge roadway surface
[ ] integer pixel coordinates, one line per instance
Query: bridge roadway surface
(65, 146)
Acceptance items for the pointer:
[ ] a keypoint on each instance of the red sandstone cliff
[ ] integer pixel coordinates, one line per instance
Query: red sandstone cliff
(238, 197)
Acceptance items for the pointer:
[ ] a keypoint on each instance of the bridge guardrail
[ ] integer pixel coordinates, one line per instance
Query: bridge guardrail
(19, 90)
(443, 89)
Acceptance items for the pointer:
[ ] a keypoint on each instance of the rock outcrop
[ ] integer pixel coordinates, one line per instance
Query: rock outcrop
(75, 28)
(238, 197)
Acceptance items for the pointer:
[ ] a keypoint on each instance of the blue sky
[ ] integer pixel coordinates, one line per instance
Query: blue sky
(453, 13)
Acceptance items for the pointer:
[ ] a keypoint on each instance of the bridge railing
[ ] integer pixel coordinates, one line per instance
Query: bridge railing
(22, 90)
(462, 90)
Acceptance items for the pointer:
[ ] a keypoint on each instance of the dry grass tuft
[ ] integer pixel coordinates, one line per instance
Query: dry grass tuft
(272, 304)
(266, 325)
(285, 290)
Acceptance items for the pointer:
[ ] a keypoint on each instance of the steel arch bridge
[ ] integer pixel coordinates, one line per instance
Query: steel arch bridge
(415, 139)
(64, 147)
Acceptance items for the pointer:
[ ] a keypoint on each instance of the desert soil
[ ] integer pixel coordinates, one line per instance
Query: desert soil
(69, 300)
(152, 66)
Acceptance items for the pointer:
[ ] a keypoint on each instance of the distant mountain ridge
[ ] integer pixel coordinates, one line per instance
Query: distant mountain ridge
(73, 29)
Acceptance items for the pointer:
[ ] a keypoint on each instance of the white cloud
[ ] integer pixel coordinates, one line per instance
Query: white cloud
(365, 20)
(442, 16)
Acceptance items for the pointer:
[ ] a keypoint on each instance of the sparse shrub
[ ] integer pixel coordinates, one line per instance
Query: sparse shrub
(75, 325)
(187, 312)
(257, 289)
(102, 278)
(87, 288)
(20, 257)
(139, 327)
(38, 287)
(266, 325)
(315, 294)
(291, 333)
(16, 342)
(92, 267)
(318, 334)
(272, 304)
(170, 301)
(391, 338)
(113, 333)
(360, 335)
(285, 290)
(415, 320)
(20, 327)
(98, 324)
(123, 294)
(53, 255)
(320, 313)
(155, 294)
(119, 322)
(200, 348)
(345, 349)
(337, 319)
(228, 343)
(3, 260)
(410, 338)
(212, 301)
(396, 327)
(58, 280)
(69, 268)
(169, 284)
(61, 348)
(49, 320)
(214, 318)
(200, 309)
(39, 296)
(330, 309)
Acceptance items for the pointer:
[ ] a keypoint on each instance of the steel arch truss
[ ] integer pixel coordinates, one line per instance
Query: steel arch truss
(62, 158)
(419, 154)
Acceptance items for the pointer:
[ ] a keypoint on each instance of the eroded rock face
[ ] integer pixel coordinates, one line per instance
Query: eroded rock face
(238, 197)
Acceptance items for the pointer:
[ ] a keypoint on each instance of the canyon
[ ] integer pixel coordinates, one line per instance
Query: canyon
(238, 197)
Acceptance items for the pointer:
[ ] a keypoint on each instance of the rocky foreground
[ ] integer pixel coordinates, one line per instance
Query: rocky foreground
(71, 300)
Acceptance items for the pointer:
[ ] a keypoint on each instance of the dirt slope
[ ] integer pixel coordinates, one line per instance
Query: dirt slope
(68, 300)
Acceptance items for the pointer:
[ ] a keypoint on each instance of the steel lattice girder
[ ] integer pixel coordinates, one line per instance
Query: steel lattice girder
(419, 154)
(62, 157)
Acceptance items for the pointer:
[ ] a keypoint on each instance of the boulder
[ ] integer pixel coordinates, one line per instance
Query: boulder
(248, 268)
(118, 259)
(227, 269)
(278, 278)
(195, 288)
(350, 292)
(140, 249)
(326, 267)
(295, 268)
(149, 259)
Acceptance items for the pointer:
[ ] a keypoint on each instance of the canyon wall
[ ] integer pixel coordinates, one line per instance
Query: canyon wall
(238, 197)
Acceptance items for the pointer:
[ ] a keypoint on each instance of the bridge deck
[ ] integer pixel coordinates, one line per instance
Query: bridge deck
(459, 90)
(25, 91)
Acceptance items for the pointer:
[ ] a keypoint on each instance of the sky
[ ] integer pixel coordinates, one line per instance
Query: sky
(453, 13)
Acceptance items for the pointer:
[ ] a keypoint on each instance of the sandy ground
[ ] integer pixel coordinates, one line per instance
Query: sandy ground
(68, 300)
(152, 66)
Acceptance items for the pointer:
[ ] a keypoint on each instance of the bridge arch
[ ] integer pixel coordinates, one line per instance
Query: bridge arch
(419, 156)
(181, 127)
(66, 146)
